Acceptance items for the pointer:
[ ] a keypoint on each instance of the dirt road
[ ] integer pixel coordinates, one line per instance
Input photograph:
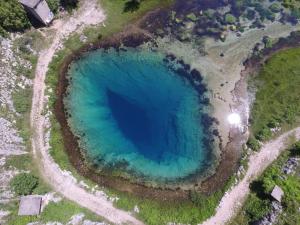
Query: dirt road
(258, 162)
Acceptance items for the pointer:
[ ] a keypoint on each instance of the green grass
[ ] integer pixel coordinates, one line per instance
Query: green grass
(193, 211)
(22, 100)
(278, 94)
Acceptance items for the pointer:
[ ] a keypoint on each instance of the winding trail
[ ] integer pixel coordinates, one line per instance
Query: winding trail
(258, 162)
(89, 13)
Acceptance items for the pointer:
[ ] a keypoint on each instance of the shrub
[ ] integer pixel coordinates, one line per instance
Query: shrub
(22, 101)
(53, 5)
(253, 144)
(69, 4)
(296, 148)
(275, 7)
(24, 183)
(229, 18)
(256, 208)
(264, 134)
(12, 17)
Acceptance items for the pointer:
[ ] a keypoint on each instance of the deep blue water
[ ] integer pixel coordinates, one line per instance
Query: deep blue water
(130, 107)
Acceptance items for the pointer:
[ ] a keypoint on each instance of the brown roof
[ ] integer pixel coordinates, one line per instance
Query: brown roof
(30, 205)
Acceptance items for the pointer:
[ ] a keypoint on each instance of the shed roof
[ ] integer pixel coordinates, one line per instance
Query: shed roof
(277, 193)
(30, 205)
(30, 3)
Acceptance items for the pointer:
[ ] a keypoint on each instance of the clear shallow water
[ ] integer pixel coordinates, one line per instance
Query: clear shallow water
(134, 114)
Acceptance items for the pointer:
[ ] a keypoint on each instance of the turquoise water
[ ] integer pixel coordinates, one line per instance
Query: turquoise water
(133, 113)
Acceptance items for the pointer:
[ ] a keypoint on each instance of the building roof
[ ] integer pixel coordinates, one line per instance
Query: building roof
(30, 205)
(30, 3)
(277, 193)
(40, 9)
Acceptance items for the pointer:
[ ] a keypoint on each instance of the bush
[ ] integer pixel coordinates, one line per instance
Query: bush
(253, 144)
(275, 7)
(229, 18)
(264, 134)
(13, 17)
(24, 183)
(296, 149)
(256, 208)
(53, 5)
(69, 4)
(22, 100)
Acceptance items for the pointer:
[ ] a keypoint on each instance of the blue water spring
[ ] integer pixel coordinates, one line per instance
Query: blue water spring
(130, 108)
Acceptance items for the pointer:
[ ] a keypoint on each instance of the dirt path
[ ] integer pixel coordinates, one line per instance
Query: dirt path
(258, 162)
(88, 14)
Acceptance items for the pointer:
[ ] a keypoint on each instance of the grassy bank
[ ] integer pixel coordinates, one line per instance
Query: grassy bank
(196, 210)
(278, 94)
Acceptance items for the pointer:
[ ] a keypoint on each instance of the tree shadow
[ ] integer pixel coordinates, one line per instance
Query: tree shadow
(257, 187)
(131, 6)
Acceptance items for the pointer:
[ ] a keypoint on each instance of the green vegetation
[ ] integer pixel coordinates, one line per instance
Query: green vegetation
(24, 183)
(64, 210)
(12, 17)
(21, 100)
(69, 4)
(258, 203)
(275, 7)
(152, 212)
(229, 18)
(53, 5)
(20, 162)
(278, 94)
(253, 143)
(256, 208)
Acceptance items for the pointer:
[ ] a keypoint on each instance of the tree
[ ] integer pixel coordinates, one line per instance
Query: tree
(256, 208)
(53, 5)
(268, 44)
(296, 148)
(275, 7)
(132, 5)
(69, 4)
(24, 183)
(253, 144)
(13, 17)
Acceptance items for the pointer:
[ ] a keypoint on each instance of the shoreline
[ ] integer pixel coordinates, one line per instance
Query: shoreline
(78, 160)
(226, 166)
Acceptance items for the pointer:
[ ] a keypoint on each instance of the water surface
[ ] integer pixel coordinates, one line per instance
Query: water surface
(136, 116)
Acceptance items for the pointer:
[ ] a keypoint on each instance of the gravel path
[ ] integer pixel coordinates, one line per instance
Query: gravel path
(88, 14)
(258, 162)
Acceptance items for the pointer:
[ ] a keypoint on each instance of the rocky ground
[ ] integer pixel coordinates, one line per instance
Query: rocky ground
(10, 141)
(13, 79)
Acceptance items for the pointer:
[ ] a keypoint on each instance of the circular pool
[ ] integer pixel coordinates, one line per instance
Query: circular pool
(136, 115)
